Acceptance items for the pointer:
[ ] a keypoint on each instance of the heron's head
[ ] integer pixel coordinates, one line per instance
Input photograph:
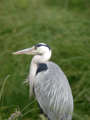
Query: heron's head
(40, 49)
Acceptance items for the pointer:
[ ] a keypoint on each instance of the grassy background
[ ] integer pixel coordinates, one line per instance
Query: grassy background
(66, 28)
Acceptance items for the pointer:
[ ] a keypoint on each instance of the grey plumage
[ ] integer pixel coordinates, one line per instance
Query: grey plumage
(49, 83)
(53, 93)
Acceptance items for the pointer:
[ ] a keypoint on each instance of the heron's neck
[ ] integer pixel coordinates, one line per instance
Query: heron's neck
(34, 64)
(33, 68)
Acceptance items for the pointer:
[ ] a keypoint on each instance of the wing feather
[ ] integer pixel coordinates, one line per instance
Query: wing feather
(53, 92)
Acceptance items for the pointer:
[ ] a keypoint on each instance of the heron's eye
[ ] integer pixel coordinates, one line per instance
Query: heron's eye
(38, 45)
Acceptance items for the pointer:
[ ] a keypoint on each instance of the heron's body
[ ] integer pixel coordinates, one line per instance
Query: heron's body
(53, 92)
(49, 83)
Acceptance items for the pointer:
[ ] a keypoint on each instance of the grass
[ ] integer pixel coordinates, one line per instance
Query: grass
(68, 34)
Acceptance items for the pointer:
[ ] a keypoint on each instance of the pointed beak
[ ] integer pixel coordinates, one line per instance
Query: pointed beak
(28, 51)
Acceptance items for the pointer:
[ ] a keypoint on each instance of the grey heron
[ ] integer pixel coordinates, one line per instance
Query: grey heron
(49, 83)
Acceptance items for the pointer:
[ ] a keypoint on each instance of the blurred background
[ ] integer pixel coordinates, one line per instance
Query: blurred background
(65, 26)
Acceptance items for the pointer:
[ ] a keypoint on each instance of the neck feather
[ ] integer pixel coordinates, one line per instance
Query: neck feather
(33, 68)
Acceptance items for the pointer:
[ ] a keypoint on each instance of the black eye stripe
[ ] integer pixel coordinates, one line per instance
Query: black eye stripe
(39, 45)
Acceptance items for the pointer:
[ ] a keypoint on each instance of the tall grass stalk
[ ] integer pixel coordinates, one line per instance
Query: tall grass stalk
(34, 109)
(3, 86)
(28, 105)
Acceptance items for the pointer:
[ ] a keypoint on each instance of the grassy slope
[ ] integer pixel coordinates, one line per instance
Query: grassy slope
(68, 34)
